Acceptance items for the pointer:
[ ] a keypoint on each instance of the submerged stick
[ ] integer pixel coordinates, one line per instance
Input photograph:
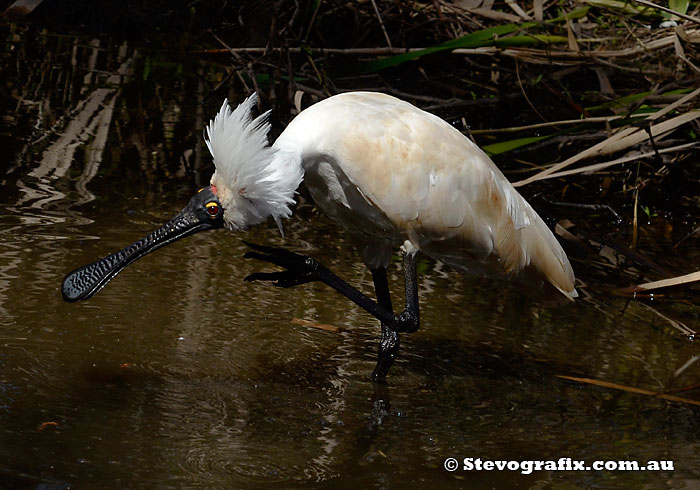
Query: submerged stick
(630, 389)
(320, 326)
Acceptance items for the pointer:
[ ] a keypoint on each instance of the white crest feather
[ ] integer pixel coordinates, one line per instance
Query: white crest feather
(253, 180)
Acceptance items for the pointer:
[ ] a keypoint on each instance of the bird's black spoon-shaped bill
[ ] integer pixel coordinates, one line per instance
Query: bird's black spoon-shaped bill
(203, 212)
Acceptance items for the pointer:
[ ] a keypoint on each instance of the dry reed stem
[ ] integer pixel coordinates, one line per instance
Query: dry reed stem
(664, 283)
(623, 139)
(589, 169)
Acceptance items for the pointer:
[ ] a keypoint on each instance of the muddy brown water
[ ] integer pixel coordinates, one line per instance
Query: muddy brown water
(181, 375)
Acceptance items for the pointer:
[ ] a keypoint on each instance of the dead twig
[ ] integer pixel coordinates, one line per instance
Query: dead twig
(630, 389)
(381, 24)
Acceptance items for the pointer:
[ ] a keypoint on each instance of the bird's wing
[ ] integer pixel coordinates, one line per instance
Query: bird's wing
(433, 183)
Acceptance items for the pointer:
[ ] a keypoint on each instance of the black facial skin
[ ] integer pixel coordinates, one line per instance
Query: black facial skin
(203, 212)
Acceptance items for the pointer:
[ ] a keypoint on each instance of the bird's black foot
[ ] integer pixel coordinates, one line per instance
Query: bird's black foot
(381, 405)
(300, 269)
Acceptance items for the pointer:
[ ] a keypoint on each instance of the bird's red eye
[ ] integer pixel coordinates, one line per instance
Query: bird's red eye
(212, 208)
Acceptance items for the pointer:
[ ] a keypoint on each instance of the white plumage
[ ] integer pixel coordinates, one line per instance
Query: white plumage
(253, 180)
(390, 173)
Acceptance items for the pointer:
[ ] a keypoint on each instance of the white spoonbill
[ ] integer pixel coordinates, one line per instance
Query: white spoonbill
(393, 175)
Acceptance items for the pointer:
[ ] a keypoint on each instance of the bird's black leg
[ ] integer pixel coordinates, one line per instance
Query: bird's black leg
(389, 343)
(301, 269)
(409, 318)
